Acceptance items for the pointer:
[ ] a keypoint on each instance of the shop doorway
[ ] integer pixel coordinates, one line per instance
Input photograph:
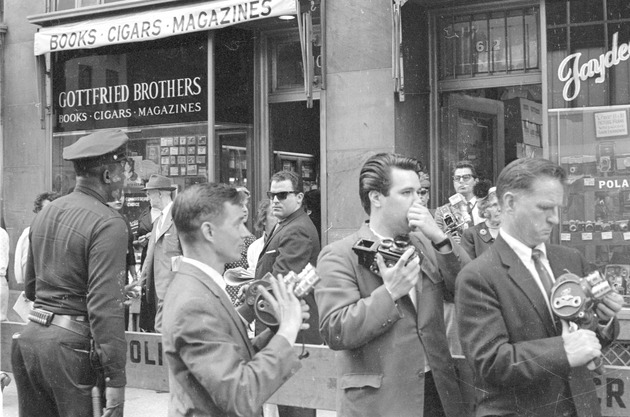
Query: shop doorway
(473, 129)
(294, 134)
(489, 127)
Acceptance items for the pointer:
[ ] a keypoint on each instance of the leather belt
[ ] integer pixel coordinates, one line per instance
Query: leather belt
(75, 324)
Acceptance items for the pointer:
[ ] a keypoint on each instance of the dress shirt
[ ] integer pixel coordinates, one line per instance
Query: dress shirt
(161, 218)
(474, 212)
(525, 255)
(4, 253)
(208, 270)
(21, 255)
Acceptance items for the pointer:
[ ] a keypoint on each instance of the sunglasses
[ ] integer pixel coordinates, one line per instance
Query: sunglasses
(423, 192)
(282, 195)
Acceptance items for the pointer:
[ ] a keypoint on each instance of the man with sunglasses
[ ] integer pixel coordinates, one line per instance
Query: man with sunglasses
(75, 274)
(464, 180)
(293, 243)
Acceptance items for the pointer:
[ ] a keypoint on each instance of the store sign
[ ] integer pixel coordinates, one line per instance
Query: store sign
(157, 24)
(572, 72)
(611, 123)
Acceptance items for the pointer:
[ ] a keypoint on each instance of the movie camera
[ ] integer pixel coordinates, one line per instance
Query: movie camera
(574, 299)
(390, 249)
(256, 307)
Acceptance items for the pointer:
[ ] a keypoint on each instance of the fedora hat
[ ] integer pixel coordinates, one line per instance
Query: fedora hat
(159, 182)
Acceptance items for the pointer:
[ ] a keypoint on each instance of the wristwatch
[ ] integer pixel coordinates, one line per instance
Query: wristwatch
(439, 245)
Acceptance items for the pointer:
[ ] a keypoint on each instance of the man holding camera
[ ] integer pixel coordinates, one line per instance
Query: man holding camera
(388, 327)
(214, 369)
(525, 361)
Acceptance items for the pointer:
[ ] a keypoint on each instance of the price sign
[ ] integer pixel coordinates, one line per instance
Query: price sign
(587, 236)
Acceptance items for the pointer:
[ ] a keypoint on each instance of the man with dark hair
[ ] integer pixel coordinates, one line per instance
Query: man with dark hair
(214, 369)
(464, 180)
(293, 244)
(388, 327)
(76, 276)
(525, 361)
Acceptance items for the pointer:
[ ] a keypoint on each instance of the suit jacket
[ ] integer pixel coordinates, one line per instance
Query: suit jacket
(293, 244)
(383, 345)
(214, 369)
(157, 265)
(509, 338)
(476, 239)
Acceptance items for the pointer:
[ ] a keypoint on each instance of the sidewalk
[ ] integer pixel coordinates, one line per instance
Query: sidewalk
(138, 402)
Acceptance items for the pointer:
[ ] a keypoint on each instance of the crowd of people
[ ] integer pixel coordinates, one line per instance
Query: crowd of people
(471, 278)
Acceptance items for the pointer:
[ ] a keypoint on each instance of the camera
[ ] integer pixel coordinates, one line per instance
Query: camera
(574, 226)
(255, 306)
(622, 225)
(574, 298)
(454, 221)
(589, 226)
(390, 249)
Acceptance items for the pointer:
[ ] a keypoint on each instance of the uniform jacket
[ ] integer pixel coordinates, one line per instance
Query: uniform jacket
(382, 344)
(509, 338)
(293, 244)
(214, 369)
(476, 239)
(157, 270)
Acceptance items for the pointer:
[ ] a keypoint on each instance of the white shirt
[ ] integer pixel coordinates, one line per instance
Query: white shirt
(253, 253)
(21, 255)
(4, 252)
(525, 255)
(160, 222)
(476, 217)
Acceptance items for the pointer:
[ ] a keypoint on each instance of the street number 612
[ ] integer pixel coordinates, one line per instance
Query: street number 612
(483, 46)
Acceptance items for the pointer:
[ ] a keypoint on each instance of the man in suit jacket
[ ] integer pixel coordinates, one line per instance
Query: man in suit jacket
(214, 369)
(163, 244)
(293, 243)
(393, 357)
(525, 362)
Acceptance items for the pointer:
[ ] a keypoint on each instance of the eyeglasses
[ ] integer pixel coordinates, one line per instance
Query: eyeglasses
(465, 178)
(423, 192)
(282, 195)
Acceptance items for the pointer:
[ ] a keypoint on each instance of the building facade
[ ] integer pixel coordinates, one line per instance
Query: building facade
(216, 91)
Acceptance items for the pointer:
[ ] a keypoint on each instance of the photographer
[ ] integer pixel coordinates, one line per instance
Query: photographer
(393, 357)
(214, 369)
(525, 361)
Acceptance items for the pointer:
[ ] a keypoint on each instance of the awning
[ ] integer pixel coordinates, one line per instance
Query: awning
(157, 24)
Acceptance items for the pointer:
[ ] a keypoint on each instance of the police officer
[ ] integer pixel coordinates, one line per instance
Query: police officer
(76, 275)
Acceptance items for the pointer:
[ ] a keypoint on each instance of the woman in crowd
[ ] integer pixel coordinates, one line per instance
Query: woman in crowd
(476, 239)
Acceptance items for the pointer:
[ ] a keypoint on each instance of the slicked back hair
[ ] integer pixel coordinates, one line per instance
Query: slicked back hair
(296, 182)
(376, 174)
(466, 164)
(200, 203)
(519, 175)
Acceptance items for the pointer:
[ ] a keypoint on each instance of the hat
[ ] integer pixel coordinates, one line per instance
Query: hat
(159, 182)
(425, 184)
(98, 145)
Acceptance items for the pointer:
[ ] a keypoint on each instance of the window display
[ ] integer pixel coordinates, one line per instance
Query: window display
(594, 149)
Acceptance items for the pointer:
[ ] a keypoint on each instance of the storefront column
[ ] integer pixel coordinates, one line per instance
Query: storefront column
(360, 114)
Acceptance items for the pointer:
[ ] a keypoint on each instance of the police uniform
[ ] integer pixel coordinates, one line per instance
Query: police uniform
(75, 275)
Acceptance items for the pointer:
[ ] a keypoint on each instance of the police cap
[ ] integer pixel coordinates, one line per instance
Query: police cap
(99, 147)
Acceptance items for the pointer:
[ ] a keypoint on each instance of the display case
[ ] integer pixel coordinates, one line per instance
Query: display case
(302, 164)
(232, 156)
(594, 148)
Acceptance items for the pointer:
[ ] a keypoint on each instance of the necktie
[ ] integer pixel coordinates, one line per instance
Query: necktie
(545, 278)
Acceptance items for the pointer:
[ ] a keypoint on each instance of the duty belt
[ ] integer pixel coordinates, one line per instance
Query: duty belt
(75, 324)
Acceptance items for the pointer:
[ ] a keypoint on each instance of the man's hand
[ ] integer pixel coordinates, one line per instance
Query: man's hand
(115, 402)
(420, 219)
(609, 306)
(581, 346)
(290, 312)
(402, 277)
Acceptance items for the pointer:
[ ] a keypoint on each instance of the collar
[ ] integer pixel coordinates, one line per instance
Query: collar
(523, 251)
(91, 192)
(208, 270)
(472, 201)
(167, 208)
(376, 234)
